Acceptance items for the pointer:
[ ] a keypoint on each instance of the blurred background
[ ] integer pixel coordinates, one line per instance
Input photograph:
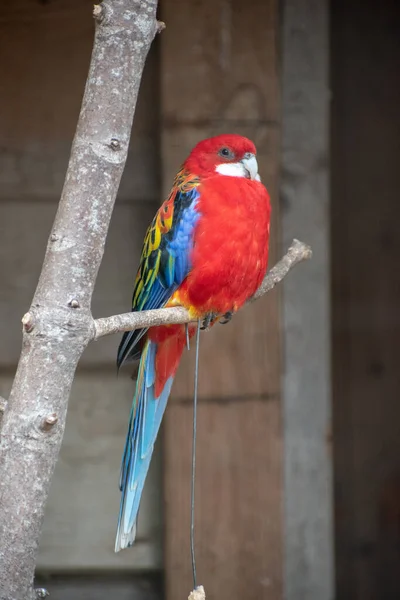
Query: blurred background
(298, 480)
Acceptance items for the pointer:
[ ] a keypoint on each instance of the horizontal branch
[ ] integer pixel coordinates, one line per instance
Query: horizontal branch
(297, 252)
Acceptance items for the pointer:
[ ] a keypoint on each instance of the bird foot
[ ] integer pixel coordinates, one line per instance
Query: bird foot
(208, 321)
(211, 318)
(226, 317)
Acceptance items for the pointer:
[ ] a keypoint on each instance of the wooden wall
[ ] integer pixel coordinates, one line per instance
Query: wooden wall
(219, 73)
(366, 296)
(216, 69)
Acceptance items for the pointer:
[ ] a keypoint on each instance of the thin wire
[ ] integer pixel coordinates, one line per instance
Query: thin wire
(187, 336)
(193, 479)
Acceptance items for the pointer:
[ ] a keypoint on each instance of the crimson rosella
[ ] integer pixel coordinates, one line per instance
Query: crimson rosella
(206, 250)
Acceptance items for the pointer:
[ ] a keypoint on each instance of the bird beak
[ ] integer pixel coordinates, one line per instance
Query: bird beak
(249, 162)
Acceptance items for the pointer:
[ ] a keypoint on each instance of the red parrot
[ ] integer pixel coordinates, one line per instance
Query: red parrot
(206, 250)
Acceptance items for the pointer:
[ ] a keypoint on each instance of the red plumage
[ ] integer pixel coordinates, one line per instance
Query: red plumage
(171, 341)
(230, 250)
(230, 245)
(230, 253)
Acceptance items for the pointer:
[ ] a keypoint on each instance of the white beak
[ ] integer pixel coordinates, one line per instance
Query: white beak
(249, 162)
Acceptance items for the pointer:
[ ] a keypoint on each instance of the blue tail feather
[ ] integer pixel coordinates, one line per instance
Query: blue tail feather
(145, 419)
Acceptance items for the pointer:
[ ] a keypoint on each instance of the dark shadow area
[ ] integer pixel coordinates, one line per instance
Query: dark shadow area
(365, 75)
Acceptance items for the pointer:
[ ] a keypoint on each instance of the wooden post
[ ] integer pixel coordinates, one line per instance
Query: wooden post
(219, 74)
(306, 307)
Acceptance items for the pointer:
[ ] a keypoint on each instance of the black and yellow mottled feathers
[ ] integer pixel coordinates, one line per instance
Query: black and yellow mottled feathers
(165, 259)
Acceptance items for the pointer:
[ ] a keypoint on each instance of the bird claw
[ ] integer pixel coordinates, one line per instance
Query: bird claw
(208, 321)
(211, 318)
(226, 317)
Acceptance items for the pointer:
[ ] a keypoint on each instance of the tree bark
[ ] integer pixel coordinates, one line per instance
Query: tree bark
(59, 324)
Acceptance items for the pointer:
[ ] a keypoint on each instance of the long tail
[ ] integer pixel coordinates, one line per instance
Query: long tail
(160, 358)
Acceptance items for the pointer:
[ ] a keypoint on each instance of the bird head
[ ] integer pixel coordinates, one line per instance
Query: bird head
(230, 154)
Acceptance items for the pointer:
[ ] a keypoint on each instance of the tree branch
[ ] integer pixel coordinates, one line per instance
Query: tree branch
(59, 323)
(297, 252)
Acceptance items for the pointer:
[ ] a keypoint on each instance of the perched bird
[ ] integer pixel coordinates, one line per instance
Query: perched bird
(206, 250)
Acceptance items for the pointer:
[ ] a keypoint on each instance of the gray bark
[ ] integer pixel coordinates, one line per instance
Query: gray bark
(59, 323)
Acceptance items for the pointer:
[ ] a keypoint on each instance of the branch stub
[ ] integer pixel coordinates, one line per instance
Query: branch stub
(115, 144)
(48, 423)
(27, 322)
(160, 26)
(197, 594)
(98, 12)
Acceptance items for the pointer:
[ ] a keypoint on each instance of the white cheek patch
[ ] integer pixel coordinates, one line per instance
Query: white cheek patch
(233, 169)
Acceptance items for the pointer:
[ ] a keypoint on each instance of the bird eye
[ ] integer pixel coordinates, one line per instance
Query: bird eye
(226, 153)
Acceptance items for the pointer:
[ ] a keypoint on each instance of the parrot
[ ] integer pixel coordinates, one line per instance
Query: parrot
(206, 250)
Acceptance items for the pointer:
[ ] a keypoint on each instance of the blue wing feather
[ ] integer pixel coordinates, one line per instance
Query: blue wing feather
(164, 265)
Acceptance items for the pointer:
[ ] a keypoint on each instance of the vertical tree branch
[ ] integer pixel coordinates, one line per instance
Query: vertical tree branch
(58, 325)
